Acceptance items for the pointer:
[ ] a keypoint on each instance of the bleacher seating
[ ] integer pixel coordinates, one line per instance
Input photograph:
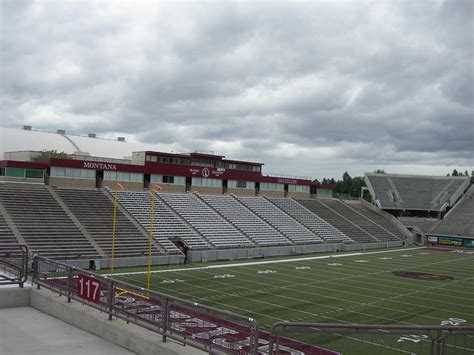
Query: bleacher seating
(94, 210)
(285, 224)
(214, 228)
(241, 217)
(459, 221)
(6, 234)
(335, 218)
(360, 219)
(452, 188)
(389, 230)
(166, 223)
(384, 191)
(200, 221)
(42, 222)
(311, 221)
(418, 192)
(430, 193)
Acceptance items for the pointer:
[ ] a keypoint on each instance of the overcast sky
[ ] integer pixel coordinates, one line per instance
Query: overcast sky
(311, 89)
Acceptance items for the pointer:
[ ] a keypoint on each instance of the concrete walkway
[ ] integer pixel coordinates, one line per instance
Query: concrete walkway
(25, 330)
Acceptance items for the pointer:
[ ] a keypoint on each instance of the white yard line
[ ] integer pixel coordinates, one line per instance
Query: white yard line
(325, 315)
(333, 309)
(267, 262)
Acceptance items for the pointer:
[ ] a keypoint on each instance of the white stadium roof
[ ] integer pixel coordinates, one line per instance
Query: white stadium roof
(15, 139)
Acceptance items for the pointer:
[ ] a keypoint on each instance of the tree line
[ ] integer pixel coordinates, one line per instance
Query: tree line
(456, 173)
(347, 186)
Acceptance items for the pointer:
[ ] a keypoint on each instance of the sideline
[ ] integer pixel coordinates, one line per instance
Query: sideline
(265, 262)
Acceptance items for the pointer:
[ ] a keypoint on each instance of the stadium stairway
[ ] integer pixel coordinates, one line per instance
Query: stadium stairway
(197, 240)
(110, 195)
(42, 223)
(216, 230)
(94, 210)
(243, 219)
(373, 222)
(73, 218)
(314, 223)
(167, 225)
(6, 232)
(397, 198)
(338, 220)
(281, 221)
(459, 220)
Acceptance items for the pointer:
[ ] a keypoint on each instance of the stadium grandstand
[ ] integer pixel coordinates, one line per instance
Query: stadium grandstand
(75, 205)
(412, 195)
(58, 192)
(438, 209)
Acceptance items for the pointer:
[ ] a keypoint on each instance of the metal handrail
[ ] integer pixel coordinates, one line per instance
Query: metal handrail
(14, 264)
(65, 282)
(437, 330)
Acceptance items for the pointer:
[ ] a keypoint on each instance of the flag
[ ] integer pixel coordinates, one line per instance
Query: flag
(158, 187)
(119, 185)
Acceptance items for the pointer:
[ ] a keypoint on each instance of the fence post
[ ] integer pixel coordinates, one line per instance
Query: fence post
(273, 337)
(36, 271)
(110, 300)
(438, 344)
(69, 284)
(254, 335)
(24, 271)
(165, 318)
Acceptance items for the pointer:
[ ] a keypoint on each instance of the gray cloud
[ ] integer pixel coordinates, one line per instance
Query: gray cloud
(309, 89)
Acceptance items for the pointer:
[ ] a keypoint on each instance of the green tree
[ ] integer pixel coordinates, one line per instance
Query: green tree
(346, 183)
(47, 154)
(357, 183)
(349, 186)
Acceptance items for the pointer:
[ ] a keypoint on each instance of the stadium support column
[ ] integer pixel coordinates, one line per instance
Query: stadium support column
(150, 239)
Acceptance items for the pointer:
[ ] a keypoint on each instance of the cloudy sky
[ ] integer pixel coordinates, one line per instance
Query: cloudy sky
(308, 88)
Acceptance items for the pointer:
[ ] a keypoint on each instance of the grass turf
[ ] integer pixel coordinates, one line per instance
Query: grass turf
(346, 289)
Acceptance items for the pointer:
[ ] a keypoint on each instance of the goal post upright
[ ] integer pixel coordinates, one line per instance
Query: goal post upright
(154, 188)
(114, 222)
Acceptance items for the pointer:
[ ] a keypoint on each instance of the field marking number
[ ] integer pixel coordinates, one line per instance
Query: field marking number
(171, 281)
(266, 271)
(454, 321)
(224, 276)
(413, 338)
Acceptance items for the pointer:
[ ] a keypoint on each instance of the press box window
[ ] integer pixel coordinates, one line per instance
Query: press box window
(241, 184)
(168, 179)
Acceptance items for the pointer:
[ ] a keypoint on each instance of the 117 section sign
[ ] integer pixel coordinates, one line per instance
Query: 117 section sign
(88, 288)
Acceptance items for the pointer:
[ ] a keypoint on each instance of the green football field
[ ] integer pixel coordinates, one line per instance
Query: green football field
(338, 288)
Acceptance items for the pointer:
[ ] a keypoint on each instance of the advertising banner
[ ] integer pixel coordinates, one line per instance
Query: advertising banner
(469, 243)
(432, 239)
(450, 241)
